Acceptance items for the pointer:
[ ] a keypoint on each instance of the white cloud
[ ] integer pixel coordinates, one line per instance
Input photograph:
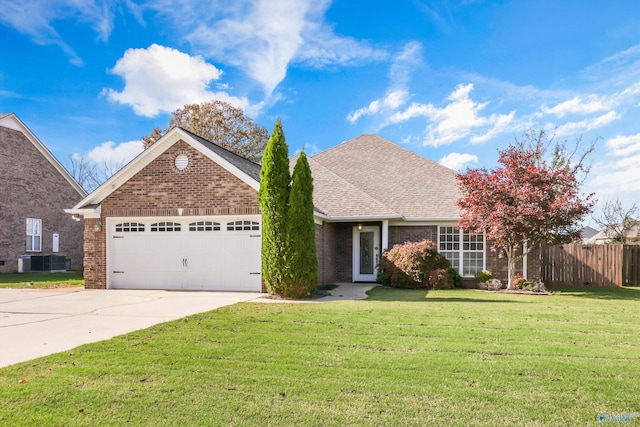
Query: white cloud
(616, 179)
(624, 145)
(112, 154)
(592, 104)
(458, 161)
(35, 18)
(399, 74)
(587, 124)
(615, 176)
(264, 37)
(160, 79)
(501, 123)
(456, 120)
(309, 148)
(391, 101)
(617, 66)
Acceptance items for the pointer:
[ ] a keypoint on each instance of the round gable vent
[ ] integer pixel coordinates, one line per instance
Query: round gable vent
(181, 161)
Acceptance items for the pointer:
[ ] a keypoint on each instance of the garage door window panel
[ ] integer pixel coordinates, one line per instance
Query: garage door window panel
(243, 226)
(204, 226)
(165, 226)
(129, 227)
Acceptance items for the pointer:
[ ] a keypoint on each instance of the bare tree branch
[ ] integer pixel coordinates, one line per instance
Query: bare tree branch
(571, 157)
(616, 221)
(85, 172)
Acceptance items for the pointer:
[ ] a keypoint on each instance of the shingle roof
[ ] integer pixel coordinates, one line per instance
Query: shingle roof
(245, 165)
(371, 176)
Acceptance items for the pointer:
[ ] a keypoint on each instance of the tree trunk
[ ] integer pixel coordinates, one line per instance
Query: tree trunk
(511, 267)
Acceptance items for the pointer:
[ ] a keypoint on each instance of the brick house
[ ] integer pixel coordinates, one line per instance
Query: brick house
(184, 214)
(35, 232)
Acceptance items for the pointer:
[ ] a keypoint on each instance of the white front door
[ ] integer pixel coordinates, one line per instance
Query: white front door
(366, 251)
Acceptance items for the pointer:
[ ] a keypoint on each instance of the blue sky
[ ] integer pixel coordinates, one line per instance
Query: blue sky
(453, 81)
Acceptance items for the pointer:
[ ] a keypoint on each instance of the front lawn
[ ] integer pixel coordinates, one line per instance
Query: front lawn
(455, 357)
(41, 280)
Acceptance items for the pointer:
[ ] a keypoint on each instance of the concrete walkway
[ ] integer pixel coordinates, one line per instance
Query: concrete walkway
(349, 291)
(38, 322)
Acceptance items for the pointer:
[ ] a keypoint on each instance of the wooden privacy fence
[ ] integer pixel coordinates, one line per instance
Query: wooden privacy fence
(631, 265)
(597, 265)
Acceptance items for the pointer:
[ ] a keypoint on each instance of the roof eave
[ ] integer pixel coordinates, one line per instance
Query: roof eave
(330, 218)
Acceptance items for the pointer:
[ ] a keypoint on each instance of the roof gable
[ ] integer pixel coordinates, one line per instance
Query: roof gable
(242, 168)
(242, 163)
(404, 182)
(11, 121)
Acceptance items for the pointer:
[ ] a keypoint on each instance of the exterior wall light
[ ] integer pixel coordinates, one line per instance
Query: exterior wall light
(359, 227)
(98, 226)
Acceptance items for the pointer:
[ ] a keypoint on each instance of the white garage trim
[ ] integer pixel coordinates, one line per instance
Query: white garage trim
(184, 252)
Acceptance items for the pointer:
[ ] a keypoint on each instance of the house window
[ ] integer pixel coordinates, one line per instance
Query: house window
(464, 250)
(34, 235)
(243, 225)
(129, 227)
(204, 226)
(165, 226)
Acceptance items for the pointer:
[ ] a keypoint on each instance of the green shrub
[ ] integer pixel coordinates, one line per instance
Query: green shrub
(273, 197)
(483, 276)
(302, 263)
(414, 265)
(455, 278)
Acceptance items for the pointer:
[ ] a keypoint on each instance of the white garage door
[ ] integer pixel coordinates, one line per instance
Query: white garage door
(213, 253)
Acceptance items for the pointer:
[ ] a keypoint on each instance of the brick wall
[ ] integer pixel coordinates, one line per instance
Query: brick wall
(343, 251)
(415, 233)
(499, 269)
(31, 187)
(203, 188)
(498, 266)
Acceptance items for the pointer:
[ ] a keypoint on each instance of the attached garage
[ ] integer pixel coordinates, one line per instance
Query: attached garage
(184, 214)
(178, 253)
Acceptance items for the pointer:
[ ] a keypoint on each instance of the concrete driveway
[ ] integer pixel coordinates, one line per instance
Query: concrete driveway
(35, 323)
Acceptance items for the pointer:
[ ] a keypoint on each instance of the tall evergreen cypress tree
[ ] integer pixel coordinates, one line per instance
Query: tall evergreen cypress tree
(301, 259)
(273, 198)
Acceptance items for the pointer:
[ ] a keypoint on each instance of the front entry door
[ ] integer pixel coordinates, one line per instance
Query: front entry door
(366, 250)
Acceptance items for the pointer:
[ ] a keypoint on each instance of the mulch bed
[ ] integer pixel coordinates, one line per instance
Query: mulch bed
(521, 291)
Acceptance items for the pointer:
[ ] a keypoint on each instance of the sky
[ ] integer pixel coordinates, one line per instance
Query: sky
(454, 81)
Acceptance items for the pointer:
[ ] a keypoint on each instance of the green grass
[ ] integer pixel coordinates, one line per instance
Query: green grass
(404, 357)
(41, 280)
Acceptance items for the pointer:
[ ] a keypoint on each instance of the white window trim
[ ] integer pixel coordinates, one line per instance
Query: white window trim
(31, 234)
(461, 250)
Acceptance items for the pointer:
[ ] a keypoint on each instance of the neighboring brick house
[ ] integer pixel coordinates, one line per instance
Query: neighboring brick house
(184, 214)
(34, 190)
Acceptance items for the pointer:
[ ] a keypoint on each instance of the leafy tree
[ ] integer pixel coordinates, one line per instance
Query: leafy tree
(302, 262)
(273, 197)
(617, 221)
(220, 123)
(523, 200)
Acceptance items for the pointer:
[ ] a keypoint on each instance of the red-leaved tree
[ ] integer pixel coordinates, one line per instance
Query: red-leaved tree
(522, 203)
